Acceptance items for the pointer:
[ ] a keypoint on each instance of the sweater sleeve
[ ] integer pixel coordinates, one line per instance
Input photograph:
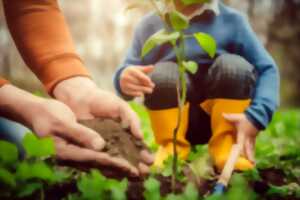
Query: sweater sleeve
(43, 40)
(3, 82)
(266, 96)
(133, 57)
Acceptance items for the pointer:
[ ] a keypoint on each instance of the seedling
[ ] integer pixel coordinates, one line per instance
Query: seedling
(173, 32)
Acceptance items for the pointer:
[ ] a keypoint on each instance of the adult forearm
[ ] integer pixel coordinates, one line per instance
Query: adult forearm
(18, 105)
(43, 39)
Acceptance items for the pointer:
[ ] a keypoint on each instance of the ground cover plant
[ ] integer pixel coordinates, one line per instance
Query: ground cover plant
(40, 176)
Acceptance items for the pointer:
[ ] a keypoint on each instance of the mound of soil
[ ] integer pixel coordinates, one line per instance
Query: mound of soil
(119, 143)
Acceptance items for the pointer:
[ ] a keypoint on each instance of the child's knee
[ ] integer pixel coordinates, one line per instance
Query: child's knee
(164, 95)
(231, 76)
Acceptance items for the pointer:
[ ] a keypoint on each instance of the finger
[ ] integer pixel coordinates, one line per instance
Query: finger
(147, 157)
(250, 150)
(143, 169)
(139, 88)
(130, 79)
(133, 93)
(130, 118)
(143, 78)
(68, 151)
(82, 135)
(147, 69)
(233, 118)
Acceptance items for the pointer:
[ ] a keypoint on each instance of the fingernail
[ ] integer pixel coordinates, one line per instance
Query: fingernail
(144, 169)
(98, 144)
(150, 91)
(225, 115)
(134, 172)
(125, 124)
(147, 157)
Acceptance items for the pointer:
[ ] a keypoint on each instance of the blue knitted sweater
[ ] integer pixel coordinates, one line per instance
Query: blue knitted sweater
(234, 35)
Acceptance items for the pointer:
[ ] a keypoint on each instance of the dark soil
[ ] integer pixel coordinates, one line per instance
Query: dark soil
(119, 142)
(271, 177)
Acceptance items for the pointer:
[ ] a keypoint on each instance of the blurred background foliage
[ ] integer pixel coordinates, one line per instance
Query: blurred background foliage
(102, 31)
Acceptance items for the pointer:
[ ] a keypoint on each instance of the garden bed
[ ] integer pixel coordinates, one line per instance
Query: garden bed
(39, 176)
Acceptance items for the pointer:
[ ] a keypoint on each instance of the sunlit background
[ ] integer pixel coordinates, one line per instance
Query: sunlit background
(102, 31)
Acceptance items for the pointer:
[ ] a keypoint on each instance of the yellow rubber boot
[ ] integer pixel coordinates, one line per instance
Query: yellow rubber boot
(224, 133)
(163, 124)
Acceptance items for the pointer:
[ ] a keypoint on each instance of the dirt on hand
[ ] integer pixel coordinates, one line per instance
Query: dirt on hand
(119, 142)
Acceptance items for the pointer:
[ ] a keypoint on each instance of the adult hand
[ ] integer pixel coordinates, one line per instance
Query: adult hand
(87, 101)
(244, 126)
(51, 118)
(135, 82)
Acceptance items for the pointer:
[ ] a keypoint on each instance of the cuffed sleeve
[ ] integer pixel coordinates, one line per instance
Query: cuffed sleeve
(266, 97)
(43, 39)
(133, 57)
(3, 82)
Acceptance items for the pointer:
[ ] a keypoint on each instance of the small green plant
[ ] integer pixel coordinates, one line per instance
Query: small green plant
(173, 32)
(22, 178)
(152, 191)
(95, 186)
(37, 175)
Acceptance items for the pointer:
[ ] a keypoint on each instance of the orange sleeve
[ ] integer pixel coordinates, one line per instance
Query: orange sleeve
(43, 39)
(2, 82)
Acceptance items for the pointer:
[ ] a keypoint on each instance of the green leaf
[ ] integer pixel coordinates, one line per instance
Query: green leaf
(39, 170)
(60, 176)
(92, 186)
(286, 190)
(202, 167)
(191, 66)
(118, 189)
(240, 189)
(215, 197)
(8, 153)
(174, 197)
(189, 2)
(178, 21)
(152, 189)
(252, 175)
(207, 43)
(157, 39)
(73, 197)
(7, 177)
(191, 192)
(28, 189)
(35, 147)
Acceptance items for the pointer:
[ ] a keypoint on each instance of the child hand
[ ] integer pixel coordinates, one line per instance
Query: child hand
(244, 126)
(135, 82)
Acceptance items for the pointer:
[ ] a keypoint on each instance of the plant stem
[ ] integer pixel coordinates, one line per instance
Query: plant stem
(42, 197)
(181, 98)
(180, 87)
(175, 154)
(160, 13)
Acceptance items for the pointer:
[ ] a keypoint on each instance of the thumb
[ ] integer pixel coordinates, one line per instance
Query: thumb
(233, 118)
(147, 69)
(83, 135)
